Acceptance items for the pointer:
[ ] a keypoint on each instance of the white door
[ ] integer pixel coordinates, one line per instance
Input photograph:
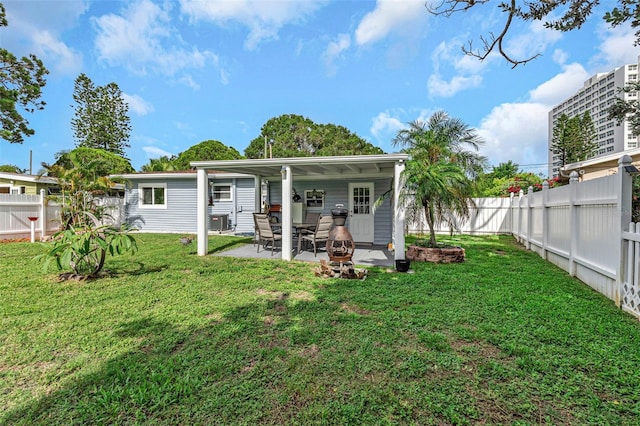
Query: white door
(361, 212)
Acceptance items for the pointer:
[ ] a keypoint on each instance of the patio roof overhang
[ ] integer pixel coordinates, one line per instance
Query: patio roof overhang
(301, 168)
(310, 167)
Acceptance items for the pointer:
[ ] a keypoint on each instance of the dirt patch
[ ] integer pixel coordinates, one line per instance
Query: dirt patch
(353, 309)
(311, 352)
(276, 295)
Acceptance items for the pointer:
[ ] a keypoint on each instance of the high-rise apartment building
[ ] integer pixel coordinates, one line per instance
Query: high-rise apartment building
(596, 96)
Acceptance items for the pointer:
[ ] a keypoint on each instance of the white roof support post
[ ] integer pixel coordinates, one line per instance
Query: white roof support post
(202, 198)
(257, 208)
(398, 212)
(287, 233)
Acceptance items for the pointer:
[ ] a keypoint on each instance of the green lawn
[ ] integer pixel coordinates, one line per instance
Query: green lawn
(172, 338)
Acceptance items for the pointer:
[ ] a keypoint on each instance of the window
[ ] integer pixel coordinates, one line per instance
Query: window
(153, 195)
(221, 193)
(314, 198)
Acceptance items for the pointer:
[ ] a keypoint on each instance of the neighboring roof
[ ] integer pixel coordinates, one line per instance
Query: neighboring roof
(351, 165)
(606, 161)
(28, 178)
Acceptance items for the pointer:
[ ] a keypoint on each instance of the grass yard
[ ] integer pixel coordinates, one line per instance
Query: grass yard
(172, 338)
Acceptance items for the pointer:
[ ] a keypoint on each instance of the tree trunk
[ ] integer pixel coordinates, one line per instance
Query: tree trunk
(428, 213)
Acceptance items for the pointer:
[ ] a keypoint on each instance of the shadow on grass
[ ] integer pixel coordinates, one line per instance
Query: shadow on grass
(134, 268)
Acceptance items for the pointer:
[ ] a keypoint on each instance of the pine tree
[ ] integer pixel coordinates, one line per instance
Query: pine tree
(101, 116)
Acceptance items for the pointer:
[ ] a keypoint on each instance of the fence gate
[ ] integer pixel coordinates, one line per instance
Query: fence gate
(630, 291)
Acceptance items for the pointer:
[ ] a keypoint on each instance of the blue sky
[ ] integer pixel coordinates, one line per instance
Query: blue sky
(197, 70)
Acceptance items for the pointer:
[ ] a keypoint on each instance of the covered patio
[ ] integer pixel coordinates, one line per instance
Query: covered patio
(340, 171)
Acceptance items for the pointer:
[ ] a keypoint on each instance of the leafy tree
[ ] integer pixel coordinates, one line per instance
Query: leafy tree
(438, 178)
(574, 138)
(91, 163)
(505, 170)
(206, 150)
(101, 116)
(83, 241)
(21, 83)
(561, 15)
(11, 168)
(292, 135)
(162, 164)
(627, 110)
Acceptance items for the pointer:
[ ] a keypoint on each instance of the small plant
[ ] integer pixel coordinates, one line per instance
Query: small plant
(83, 248)
(83, 241)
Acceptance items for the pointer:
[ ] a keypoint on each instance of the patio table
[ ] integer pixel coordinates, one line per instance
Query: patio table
(302, 227)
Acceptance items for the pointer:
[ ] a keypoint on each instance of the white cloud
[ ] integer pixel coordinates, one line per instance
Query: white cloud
(155, 152)
(264, 19)
(137, 105)
(38, 30)
(560, 56)
(384, 125)
(390, 16)
(516, 132)
(531, 42)
(188, 81)
(334, 50)
(142, 37)
(466, 70)
(560, 86)
(439, 87)
(51, 50)
(617, 46)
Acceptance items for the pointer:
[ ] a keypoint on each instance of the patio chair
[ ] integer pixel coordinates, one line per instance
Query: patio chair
(256, 239)
(311, 217)
(321, 234)
(265, 233)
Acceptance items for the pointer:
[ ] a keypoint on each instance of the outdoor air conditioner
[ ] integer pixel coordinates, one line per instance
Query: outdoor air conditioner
(219, 222)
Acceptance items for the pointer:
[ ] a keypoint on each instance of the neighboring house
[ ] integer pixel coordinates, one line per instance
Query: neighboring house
(600, 166)
(166, 202)
(320, 183)
(18, 183)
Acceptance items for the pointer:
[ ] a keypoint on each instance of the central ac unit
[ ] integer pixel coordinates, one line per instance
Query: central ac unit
(219, 222)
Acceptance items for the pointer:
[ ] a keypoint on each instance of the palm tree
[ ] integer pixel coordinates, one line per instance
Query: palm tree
(439, 176)
(162, 164)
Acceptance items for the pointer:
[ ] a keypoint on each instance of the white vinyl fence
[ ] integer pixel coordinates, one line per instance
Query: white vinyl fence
(17, 210)
(584, 228)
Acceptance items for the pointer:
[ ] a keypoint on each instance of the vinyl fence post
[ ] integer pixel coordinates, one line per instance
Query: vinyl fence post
(511, 209)
(573, 222)
(43, 214)
(529, 217)
(545, 218)
(520, 233)
(624, 195)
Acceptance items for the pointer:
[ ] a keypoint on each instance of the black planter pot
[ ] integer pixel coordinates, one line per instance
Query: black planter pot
(402, 265)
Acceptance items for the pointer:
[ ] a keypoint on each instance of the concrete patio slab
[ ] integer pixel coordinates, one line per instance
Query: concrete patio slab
(364, 255)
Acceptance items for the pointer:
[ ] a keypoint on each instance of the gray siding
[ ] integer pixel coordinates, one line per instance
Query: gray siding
(337, 193)
(180, 215)
(242, 206)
